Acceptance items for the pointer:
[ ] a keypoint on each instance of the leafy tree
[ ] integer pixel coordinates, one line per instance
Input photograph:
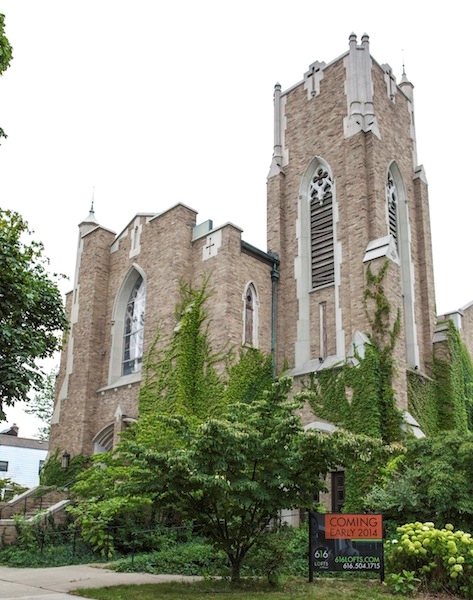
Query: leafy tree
(6, 55)
(42, 405)
(431, 481)
(32, 315)
(9, 489)
(218, 444)
(231, 476)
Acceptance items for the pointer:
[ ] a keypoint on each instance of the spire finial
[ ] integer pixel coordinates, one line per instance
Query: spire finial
(91, 216)
(404, 76)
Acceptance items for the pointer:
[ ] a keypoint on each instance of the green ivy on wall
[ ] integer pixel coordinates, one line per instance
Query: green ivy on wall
(422, 401)
(358, 394)
(181, 374)
(444, 402)
(184, 376)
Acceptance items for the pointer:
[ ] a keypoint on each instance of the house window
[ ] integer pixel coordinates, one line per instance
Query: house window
(391, 198)
(3, 466)
(134, 329)
(321, 228)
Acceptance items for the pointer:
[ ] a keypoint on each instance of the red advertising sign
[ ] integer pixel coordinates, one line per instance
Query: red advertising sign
(355, 527)
(350, 543)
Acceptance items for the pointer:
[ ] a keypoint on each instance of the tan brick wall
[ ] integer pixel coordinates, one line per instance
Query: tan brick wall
(167, 257)
(230, 271)
(79, 409)
(467, 328)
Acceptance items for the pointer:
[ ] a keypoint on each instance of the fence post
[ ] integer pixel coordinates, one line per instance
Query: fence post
(133, 547)
(74, 538)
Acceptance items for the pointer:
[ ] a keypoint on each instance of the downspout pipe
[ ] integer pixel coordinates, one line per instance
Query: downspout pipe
(274, 307)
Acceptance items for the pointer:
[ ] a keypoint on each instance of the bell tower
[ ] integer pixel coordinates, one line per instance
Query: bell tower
(345, 193)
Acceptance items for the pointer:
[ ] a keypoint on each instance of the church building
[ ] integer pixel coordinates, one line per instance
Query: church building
(345, 194)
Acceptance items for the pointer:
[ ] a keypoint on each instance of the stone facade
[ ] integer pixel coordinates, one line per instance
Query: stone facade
(351, 120)
(94, 399)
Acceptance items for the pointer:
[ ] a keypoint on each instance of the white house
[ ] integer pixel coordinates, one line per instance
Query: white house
(21, 459)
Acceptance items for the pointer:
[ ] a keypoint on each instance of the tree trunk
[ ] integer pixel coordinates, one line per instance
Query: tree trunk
(235, 577)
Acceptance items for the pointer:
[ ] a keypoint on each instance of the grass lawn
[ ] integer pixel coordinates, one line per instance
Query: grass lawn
(321, 589)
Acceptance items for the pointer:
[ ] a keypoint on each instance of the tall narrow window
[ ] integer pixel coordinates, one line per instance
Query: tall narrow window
(250, 316)
(391, 198)
(321, 228)
(134, 328)
(250, 306)
(398, 225)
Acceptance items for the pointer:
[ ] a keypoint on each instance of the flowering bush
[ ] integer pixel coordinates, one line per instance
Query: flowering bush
(440, 558)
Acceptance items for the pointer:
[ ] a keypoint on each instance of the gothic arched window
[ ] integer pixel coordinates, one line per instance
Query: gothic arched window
(321, 228)
(392, 201)
(134, 328)
(250, 316)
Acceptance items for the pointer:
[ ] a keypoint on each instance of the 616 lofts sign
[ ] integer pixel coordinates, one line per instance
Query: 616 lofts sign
(349, 543)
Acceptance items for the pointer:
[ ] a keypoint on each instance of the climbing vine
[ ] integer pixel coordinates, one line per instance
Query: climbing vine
(181, 375)
(454, 377)
(422, 398)
(185, 376)
(358, 395)
(444, 401)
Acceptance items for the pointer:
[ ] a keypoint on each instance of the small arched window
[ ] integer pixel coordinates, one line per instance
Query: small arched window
(251, 316)
(134, 329)
(103, 441)
(321, 228)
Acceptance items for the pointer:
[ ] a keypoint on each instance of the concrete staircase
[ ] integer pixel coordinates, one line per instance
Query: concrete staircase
(51, 502)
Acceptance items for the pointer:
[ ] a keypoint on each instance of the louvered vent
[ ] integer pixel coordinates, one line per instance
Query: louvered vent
(391, 196)
(321, 228)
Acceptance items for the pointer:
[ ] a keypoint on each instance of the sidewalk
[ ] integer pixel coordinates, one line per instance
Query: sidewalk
(53, 583)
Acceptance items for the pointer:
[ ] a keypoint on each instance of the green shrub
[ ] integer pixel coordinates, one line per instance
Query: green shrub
(49, 556)
(281, 552)
(197, 557)
(440, 558)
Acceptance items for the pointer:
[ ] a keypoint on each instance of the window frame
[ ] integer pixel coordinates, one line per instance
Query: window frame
(115, 372)
(320, 197)
(250, 338)
(133, 330)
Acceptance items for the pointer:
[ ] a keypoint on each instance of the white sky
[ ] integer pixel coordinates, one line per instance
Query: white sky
(153, 102)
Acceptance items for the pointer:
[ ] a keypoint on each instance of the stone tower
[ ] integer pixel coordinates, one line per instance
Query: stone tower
(345, 192)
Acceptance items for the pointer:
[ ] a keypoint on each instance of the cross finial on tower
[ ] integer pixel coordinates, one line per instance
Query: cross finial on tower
(92, 203)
